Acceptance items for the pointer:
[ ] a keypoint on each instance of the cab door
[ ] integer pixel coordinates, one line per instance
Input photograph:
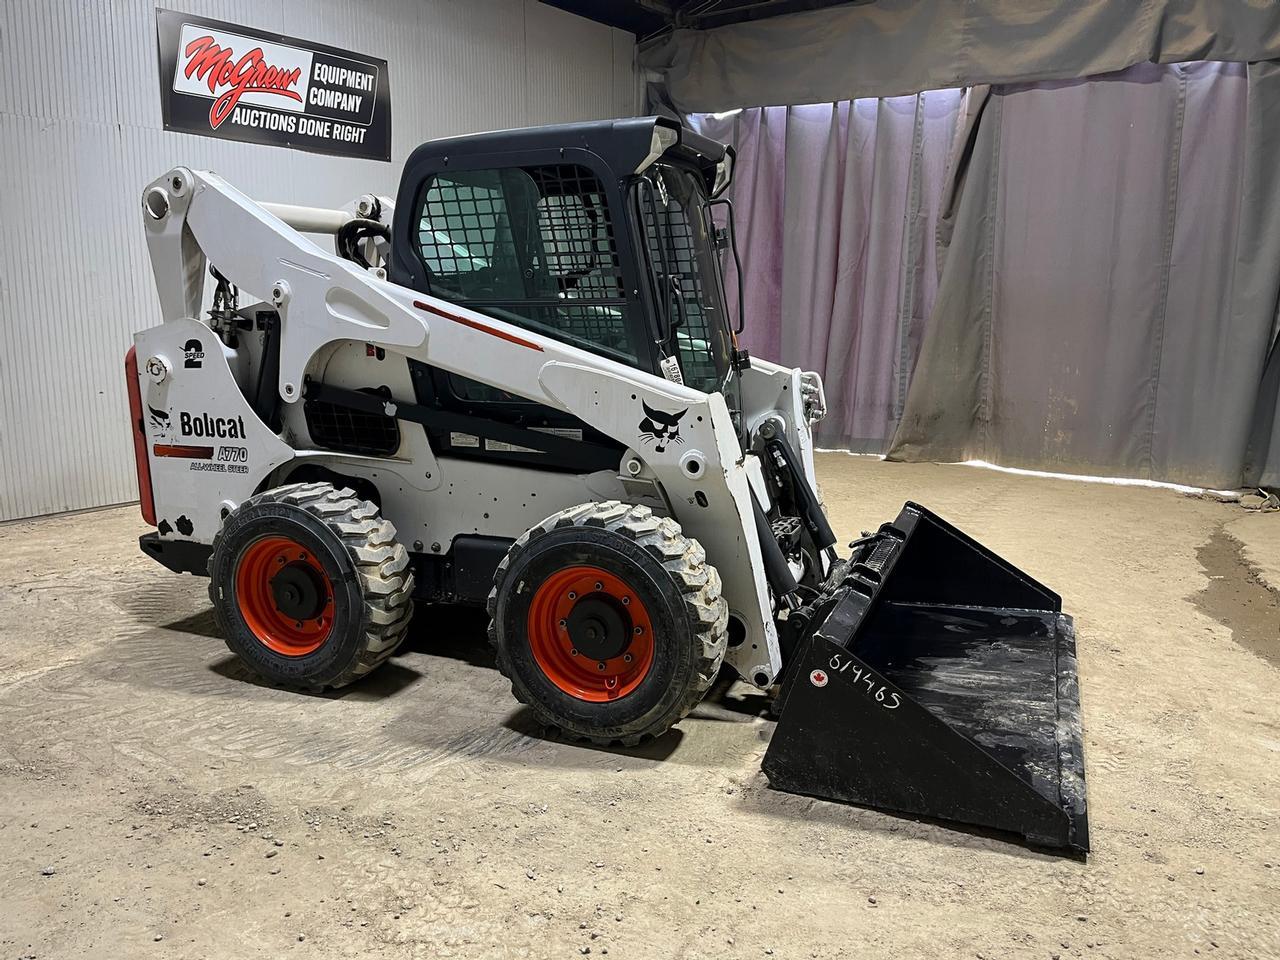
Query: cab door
(537, 245)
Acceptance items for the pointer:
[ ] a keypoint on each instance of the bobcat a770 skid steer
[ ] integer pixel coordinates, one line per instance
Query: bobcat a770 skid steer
(516, 384)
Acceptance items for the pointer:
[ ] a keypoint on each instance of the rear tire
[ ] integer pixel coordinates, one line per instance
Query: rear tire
(637, 597)
(309, 585)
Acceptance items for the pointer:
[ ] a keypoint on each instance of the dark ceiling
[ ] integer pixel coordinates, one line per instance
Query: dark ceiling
(647, 18)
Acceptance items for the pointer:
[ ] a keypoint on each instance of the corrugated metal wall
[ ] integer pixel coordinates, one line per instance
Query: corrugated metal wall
(81, 133)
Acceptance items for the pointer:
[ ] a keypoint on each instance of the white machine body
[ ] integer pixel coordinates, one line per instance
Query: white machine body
(208, 450)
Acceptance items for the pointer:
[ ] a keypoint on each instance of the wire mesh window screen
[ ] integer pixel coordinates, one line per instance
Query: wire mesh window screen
(352, 431)
(531, 245)
(674, 252)
(578, 251)
(466, 239)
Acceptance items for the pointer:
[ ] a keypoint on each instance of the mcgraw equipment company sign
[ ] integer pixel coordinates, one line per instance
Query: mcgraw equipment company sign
(222, 80)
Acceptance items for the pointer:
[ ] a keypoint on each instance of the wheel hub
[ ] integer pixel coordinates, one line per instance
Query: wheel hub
(284, 596)
(597, 629)
(590, 633)
(298, 591)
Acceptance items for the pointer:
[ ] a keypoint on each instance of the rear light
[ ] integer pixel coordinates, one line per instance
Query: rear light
(146, 500)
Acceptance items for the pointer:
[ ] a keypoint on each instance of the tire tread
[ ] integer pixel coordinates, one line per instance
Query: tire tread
(381, 563)
(685, 561)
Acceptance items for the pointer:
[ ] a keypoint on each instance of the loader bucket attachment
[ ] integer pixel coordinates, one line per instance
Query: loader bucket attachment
(938, 680)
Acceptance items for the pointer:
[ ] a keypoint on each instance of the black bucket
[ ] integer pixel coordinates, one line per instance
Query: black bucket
(941, 682)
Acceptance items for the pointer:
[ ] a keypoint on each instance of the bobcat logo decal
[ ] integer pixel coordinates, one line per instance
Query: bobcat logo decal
(660, 428)
(159, 421)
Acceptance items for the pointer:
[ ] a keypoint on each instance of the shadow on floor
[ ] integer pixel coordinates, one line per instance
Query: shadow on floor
(387, 681)
(460, 633)
(763, 799)
(456, 632)
(525, 723)
(201, 624)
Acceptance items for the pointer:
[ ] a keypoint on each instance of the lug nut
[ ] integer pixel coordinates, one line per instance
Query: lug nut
(572, 595)
(563, 624)
(625, 601)
(638, 630)
(626, 657)
(599, 585)
(573, 652)
(600, 665)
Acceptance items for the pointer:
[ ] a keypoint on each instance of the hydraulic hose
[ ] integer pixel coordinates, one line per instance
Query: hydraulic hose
(351, 233)
(776, 570)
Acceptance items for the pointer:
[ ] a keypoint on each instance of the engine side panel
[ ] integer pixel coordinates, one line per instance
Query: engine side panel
(208, 449)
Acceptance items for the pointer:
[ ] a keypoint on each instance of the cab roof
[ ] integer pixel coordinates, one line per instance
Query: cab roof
(624, 145)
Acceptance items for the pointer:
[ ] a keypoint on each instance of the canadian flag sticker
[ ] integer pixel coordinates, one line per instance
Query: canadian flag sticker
(818, 678)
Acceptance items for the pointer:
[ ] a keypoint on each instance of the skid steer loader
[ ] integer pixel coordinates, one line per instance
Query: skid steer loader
(516, 384)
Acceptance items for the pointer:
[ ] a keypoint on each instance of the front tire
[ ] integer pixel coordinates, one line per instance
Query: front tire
(608, 622)
(310, 587)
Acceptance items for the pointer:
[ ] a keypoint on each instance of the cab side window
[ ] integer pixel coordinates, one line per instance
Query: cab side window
(464, 232)
(530, 245)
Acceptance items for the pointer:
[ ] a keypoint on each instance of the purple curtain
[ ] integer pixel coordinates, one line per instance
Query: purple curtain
(836, 206)
(1079, 276)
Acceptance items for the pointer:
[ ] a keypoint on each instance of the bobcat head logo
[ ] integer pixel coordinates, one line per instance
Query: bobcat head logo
(660, 428)
(159, 421)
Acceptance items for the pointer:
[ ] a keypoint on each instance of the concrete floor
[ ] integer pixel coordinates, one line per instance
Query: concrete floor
(156, 801)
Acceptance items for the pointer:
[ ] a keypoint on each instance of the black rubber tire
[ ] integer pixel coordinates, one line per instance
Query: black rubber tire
(367, 567)
(670, 574)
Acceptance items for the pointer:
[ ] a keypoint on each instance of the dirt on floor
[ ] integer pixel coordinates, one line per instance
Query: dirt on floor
(157, 801)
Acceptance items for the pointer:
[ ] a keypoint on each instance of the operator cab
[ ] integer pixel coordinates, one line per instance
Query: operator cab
(597, 234)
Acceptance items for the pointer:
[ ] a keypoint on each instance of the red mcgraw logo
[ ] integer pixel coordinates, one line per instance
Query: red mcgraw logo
(248, 74)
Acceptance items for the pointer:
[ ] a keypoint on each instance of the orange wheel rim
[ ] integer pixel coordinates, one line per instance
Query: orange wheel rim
(285, 596)
(590, 633)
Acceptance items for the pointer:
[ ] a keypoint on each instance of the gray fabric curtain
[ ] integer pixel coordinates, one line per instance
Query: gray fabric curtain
(895, 47)
(1108, 296)
(1262, 458)
(1261, 253)
(1098, 262)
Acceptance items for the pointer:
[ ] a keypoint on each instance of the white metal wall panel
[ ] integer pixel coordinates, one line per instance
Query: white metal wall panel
(81, 133)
